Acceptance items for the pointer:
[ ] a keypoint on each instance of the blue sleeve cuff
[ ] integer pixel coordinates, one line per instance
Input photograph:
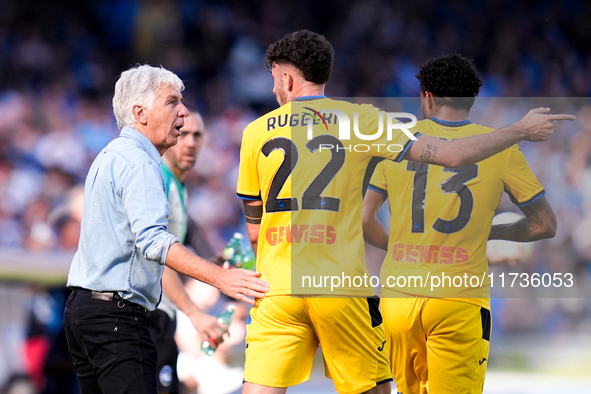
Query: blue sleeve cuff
(532, 200)
(527, 202)
(405, 149)
(249, 197)
(378, 190)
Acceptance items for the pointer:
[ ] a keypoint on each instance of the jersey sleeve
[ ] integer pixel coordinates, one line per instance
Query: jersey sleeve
(520, 183)
(248, 178)
(393, 145)
(378, 182)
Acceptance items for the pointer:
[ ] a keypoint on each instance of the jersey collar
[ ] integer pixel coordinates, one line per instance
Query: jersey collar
(450, 123)
(308, 98)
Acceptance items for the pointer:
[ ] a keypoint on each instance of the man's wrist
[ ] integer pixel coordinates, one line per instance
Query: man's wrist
(218, 276)
(516, 131)
(193, 311)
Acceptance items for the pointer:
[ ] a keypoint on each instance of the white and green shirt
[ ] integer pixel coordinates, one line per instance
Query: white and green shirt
(177, 195)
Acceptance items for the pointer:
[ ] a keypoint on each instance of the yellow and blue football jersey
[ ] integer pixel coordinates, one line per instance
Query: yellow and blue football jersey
(441, 217)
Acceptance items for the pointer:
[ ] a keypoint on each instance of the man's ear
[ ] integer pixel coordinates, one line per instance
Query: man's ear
(430, 99)
(139, 113)
(289, 82)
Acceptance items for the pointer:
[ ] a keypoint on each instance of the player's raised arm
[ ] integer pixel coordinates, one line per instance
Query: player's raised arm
(536, 126)
(373, 231)
(539, 223)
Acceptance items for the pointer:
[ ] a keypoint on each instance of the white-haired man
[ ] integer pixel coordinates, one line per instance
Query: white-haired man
(124, 244)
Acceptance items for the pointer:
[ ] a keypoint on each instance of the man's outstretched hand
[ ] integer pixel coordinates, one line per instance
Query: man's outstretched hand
(538, 124)
(242, 284)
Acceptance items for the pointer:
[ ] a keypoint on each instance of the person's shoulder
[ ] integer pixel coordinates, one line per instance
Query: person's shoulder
(327, 103)
(449, 129)
(266, 122)
(127, 152)
(167, 175)
(261, 120)
(347, 106)
(388, 166)
(480, 129)
(424, 122)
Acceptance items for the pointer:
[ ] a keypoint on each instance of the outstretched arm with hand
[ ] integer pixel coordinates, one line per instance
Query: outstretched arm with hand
(536, 126)
(236, 283)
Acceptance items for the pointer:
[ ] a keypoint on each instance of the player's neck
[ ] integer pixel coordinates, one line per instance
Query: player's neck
(450, 114)
(307, 89)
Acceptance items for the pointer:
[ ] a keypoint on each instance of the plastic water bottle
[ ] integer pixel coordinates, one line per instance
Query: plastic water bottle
(234, 251)
(249, 260)
(224, 318)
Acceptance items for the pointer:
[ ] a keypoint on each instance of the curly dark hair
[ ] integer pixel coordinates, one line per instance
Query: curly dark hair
(452, 78)
(307, 51)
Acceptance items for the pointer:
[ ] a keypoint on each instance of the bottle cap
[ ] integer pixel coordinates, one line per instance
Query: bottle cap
(231, 307)
(238, 235)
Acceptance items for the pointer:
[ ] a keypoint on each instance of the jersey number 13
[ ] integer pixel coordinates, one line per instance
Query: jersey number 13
(454, 184)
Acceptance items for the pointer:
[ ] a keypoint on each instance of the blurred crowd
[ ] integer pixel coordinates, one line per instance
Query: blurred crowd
(59, 62)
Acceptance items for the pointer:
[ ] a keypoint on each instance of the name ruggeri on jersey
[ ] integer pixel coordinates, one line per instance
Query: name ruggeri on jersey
(326, 117)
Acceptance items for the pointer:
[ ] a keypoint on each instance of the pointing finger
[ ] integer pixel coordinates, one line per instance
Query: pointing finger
(562, 117)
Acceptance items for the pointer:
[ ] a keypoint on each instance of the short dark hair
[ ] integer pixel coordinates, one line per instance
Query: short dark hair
(309, 52)
(452, 78)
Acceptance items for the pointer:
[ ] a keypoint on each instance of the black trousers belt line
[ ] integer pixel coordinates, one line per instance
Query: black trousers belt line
(98, 295)
(104, 296)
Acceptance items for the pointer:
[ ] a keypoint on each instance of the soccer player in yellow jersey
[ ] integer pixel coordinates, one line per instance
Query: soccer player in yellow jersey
(441, 220)
(302, 192)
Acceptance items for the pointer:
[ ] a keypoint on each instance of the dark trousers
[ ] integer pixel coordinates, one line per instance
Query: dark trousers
(110, 344)
(162, 331)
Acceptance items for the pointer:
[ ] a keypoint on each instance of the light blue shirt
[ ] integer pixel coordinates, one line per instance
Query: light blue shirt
(124, 239)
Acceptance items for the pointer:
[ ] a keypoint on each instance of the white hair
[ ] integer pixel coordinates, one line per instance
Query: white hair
(139, 86)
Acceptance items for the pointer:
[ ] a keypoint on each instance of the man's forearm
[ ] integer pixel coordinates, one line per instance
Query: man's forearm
(517, 231)
(253, 211)
(236, 283)
(375, 234)
(373, 231)
(536, 126)
(253, 235)
(175, 290)
(182, 260)
(475, 148)
(462, 151)
(539, 223)
(523, 230)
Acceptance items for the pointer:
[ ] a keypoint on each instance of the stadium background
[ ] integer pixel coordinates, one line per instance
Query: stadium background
(59, 62)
